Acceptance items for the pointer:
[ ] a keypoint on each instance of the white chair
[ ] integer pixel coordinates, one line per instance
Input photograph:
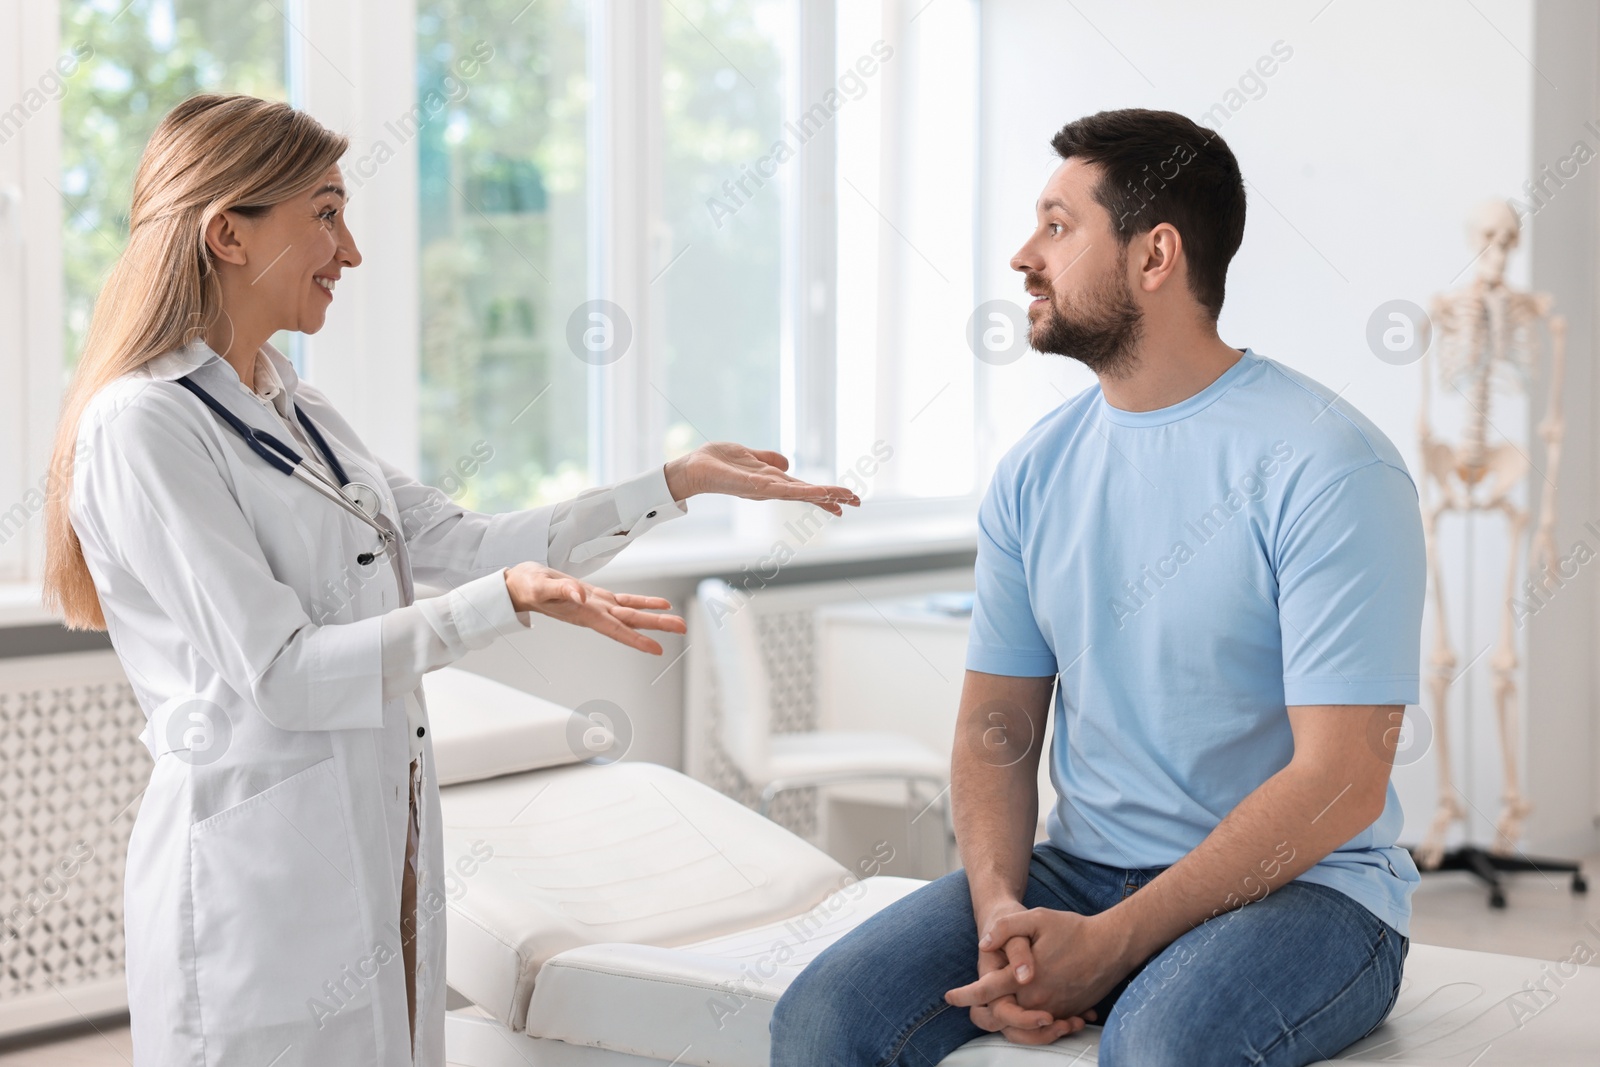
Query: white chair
(776, 762)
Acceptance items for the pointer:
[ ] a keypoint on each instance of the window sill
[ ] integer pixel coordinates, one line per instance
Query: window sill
(20, 606)
(758, 538)
(786, 540)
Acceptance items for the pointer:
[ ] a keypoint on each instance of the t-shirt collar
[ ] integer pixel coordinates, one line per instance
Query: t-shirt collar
(1183, 408)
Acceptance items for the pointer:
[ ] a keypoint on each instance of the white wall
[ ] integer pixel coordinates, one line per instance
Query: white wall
(1363, 153)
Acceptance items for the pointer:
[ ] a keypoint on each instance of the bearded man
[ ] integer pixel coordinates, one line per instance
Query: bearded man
(1217, 566)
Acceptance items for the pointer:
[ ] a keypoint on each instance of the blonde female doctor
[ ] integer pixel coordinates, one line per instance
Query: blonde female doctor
(262, 611)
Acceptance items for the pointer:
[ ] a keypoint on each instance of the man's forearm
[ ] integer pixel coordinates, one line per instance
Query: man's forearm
(994, 791)
(995, 810)
(1276, 833)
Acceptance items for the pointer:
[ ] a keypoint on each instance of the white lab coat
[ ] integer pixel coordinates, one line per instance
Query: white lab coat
(262, 896)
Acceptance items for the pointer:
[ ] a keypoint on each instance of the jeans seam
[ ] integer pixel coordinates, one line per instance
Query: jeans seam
(1383, 935)
(1394, 997)
(911, 1032)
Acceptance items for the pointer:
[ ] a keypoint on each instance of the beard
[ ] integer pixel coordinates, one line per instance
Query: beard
(1102, 331)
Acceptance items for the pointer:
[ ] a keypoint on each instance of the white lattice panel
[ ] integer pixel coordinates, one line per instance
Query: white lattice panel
(71, 772)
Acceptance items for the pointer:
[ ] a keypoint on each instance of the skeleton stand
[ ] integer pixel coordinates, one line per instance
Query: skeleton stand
(1487, 330)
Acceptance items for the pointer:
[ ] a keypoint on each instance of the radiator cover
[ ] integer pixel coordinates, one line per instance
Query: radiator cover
(72, 770)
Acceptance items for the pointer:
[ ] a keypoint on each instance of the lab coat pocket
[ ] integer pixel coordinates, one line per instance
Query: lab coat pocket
(277, 924)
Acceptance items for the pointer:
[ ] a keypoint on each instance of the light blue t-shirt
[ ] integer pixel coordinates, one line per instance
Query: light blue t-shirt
(1190, 573)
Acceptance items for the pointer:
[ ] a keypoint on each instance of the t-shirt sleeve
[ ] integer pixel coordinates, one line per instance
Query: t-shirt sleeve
(1351, 582)
(1005, 636)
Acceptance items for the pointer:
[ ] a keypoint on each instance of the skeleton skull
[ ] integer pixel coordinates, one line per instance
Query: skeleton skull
(1492, 231)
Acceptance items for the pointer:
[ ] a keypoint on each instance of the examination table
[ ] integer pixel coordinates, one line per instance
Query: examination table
(624, 915)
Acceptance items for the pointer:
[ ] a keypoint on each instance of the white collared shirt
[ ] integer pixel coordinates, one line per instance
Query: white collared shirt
(269, 390)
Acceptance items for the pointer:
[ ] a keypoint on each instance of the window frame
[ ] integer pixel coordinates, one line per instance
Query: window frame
(366, 358)
(810, 299)
(625, 197)
(30, 284)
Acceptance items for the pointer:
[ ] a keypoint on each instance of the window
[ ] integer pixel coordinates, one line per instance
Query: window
(595, 233)
(136, 62)
(503, 249)
(611, 215)
(81, 87)
(721, 235)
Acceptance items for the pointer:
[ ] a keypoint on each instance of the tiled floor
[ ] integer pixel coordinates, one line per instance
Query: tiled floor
(1542, 919)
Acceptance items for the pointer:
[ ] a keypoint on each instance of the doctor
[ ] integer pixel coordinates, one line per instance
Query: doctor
(252, 561)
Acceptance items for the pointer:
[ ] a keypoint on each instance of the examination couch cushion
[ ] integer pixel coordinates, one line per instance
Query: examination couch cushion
(547, 861)
(483, 728)
(714, 997)
(709, 1004)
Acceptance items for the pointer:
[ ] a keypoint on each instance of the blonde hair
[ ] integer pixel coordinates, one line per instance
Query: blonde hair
(209, 154)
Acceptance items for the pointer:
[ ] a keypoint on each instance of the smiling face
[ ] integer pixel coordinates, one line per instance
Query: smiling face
(292, 256)
(1076, 270)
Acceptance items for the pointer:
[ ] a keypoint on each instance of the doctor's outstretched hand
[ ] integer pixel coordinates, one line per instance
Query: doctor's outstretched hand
(755, 474)
(620, 616)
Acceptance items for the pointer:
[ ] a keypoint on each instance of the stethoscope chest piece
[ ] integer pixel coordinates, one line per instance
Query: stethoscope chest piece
(362, 496)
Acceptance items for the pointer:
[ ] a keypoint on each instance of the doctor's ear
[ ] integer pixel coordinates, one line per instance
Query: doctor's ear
(223, 237)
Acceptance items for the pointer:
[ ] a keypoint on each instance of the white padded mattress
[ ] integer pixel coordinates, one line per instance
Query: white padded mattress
(709, 1003)
(547, 861)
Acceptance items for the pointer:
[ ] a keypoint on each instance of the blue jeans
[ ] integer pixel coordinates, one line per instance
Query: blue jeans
(1291, 978)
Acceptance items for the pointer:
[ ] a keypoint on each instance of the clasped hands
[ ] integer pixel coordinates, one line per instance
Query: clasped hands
(1041, 971)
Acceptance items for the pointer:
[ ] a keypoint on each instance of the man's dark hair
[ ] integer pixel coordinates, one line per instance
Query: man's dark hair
(1158, 166)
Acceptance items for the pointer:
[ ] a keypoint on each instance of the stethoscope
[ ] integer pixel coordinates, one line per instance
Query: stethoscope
(358, 498)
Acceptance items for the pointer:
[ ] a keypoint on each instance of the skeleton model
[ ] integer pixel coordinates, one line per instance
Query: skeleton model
(1487, 346)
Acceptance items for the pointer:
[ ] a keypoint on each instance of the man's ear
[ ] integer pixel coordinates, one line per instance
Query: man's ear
(224, 239)
(1161, 247)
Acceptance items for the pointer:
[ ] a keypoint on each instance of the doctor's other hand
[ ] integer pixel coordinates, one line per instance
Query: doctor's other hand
(755, 474)
(619, 616)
